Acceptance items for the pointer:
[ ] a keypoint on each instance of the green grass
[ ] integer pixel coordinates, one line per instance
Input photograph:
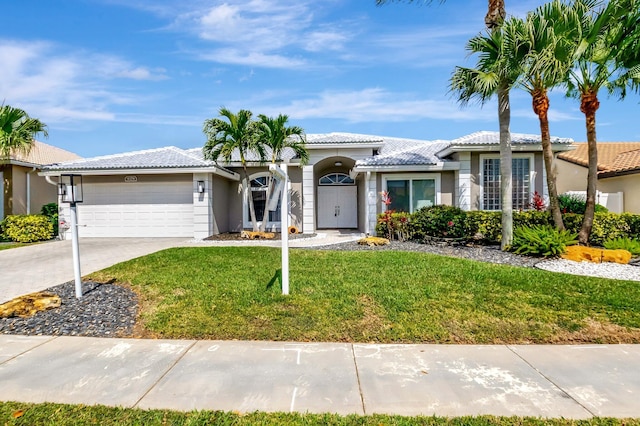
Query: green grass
(372, 296)
(14, 413)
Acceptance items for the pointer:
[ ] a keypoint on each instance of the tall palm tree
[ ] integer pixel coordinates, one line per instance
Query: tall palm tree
(548, 35)
(494, 19)
(495, 73)
(238, 133)
(604, 59)
(273, 133)
(18, 131)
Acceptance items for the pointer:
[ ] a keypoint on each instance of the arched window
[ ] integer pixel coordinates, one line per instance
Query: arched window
(336, 179)
(259, 187)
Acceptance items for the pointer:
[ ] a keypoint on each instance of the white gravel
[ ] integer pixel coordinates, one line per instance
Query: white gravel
(603, 270)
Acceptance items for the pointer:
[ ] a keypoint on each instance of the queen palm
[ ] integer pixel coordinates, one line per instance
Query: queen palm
(273, 133)
(548, 35)
(238, 133)
(18, 131)
(496, 72)
(606, 58)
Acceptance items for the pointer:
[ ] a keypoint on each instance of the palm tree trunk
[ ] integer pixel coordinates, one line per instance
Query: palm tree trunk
(504, 119)
(541, 107)
(495, 14)
(589, 105)
(252, 209)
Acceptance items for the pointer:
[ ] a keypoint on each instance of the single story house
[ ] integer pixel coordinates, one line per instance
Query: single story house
(618, 174)
(22, 191)
(176, 192)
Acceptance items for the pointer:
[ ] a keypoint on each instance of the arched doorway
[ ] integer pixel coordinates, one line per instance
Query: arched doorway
(337, 201)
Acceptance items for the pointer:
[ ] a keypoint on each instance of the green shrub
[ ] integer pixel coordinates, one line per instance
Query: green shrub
(573, 203)
(394, 225)
(27, 228)
(607, 226)
(529, 218)
(440, 222)
(485, 226)
(633, 221)
(541, 240)
(51, 211)
(632, 246)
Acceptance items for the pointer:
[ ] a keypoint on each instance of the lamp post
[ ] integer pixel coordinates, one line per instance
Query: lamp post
(281, 172)
(70, 191)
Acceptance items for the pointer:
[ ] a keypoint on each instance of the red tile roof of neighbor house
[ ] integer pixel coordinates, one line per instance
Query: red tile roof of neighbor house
(614, 158)
(42, 153)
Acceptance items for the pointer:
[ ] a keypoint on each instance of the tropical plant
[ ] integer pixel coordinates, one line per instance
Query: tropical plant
(273, 133)
(18, 131)
(496, 72)
(606, 57)
(544, 241)
(548, 36)
(624, 243)
(439, 221)
(239, 134)
(574, 203)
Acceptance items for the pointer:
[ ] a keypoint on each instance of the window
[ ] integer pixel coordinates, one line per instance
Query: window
(409, 193)
(521, 178)
(336, 179)
(259, 186)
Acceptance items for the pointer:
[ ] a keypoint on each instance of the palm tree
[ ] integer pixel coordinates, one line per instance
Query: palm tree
(496, 72)
(18, 131)
(274, 133)
(237, 134)
(548, 35)
(605, 58)
(494, 19)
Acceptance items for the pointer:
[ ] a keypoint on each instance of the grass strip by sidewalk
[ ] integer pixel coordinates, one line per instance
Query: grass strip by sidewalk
(390, 296)
(15, 413)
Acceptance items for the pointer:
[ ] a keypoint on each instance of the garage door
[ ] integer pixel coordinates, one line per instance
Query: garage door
(143, 209)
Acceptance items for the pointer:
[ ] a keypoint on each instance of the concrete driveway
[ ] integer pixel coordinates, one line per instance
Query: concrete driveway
(36, 267)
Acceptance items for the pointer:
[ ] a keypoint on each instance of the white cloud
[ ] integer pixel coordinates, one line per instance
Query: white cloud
(60, 86)
(374, 104)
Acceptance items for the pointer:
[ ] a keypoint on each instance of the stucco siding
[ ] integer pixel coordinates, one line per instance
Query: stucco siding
(220, 201)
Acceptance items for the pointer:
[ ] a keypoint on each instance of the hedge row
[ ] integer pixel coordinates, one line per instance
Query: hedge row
(486, 226)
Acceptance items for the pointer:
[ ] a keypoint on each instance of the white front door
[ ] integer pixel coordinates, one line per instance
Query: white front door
(337, 207)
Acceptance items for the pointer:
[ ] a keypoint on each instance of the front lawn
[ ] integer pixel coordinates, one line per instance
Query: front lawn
(372, 296)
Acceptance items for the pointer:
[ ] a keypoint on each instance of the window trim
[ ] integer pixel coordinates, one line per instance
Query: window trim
(353, 182)
(532, 174)
(246, 223)
(411, 177)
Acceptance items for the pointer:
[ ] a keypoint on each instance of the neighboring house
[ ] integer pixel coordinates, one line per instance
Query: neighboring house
(22, 191)
(618, 174)
(175, 192)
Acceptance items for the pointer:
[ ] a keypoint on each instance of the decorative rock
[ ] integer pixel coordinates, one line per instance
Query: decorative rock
(27, 305)
(252, 235)
(373, 241)
(596, 255)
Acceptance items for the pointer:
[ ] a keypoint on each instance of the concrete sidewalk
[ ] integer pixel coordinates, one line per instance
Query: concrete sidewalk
(446, 380)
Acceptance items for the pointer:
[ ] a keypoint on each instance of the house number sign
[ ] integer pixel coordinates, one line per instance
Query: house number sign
(130, 179)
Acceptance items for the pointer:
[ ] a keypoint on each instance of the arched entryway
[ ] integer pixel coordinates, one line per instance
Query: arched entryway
(337, 201)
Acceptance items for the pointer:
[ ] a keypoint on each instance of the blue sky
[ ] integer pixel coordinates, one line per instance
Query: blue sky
(111, 76)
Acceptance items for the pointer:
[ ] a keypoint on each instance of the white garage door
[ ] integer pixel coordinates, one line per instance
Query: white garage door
(141, 209)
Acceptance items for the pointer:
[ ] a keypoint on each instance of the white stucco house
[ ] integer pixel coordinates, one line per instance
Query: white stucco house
(176, 192)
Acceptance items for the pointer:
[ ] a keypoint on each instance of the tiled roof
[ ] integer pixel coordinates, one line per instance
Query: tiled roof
(341, 138)
(406, 152)
(169, 157)
(613, 157)
(42, 153)
(492, 138)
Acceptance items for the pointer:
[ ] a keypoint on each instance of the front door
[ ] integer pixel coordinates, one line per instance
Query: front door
(337, 206)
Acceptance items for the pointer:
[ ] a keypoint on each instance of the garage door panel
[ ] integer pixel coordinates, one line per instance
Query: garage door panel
(141, 209)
